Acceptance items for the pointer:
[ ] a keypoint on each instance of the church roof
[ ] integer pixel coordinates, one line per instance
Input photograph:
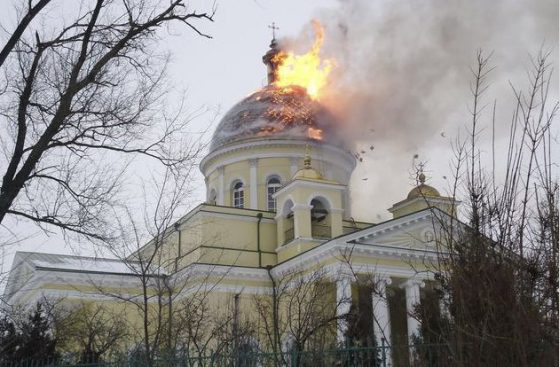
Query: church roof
(275, 112)
(76, 263)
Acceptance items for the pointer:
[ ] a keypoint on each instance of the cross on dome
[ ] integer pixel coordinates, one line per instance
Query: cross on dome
(274, 28)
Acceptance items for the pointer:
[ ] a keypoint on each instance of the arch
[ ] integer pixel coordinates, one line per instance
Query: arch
(321, 226)
(238, 194)
(273, 184)
(319, 209)
(288, 221)
(287, 208)
(320, 197)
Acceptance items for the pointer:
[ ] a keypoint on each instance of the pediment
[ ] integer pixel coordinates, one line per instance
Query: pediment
(417, 231)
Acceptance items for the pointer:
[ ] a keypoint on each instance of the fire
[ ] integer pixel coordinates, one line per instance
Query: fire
(314, 133)
(307, 70)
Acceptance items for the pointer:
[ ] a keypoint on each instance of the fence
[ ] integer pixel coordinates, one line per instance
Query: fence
(422, 356)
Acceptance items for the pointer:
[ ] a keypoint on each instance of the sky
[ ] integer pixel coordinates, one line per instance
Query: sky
(403, 69)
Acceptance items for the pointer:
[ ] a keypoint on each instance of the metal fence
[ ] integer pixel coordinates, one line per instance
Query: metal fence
(417, 355)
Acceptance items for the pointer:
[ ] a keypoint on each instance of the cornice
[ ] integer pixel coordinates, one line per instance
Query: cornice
(208, 164)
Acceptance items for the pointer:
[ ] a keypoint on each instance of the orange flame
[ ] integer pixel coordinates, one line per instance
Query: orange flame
(307, 70)
(314, 133)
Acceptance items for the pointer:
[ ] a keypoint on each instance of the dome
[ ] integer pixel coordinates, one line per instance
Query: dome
(275, 112)
(307, 173)
(423, 190)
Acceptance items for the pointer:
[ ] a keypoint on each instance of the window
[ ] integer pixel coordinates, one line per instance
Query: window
(272, 186)
(238, 195)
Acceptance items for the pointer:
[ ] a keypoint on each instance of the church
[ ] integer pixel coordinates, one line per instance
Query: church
(277, 203)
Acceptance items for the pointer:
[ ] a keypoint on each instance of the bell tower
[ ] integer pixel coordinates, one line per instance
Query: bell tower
(310, 211)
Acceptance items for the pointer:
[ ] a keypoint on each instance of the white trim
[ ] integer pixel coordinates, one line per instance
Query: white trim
(313, 184)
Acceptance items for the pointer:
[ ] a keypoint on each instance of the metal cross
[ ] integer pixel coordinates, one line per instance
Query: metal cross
(273, 28)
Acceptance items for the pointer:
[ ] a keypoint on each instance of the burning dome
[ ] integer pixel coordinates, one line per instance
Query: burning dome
(287, 107)
(277, 113)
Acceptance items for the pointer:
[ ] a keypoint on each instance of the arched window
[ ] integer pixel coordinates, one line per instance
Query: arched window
(238, 195)
(318, 211)
(320, 221)
(273, 185)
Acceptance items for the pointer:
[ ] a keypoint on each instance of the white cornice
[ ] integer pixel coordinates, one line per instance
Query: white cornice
(423, 199)
(346, 161)
(312, 184)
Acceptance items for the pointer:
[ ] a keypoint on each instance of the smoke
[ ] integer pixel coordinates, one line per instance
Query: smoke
(402, 80)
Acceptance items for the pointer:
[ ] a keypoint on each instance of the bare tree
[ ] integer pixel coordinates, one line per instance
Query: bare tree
(498, 276)
(91, 331)
(171, 292)
(78, 94)
(300, 315)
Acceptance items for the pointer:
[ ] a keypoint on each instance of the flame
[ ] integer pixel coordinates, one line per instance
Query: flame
(315, 133)
(307, 70)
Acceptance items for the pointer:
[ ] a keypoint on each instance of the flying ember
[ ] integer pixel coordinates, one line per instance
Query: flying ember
(307, 70)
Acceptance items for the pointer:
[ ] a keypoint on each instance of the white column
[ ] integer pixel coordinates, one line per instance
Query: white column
(220, 187)
(412, 287)
(343, 305)
(382, 317)
(253, 184)
(301, 221)
(444, 304)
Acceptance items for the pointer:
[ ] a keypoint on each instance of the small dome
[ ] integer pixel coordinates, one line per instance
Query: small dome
(423, 191)
(277, 113)
(307, 173)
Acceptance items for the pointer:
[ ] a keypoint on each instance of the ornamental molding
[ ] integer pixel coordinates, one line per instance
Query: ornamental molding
(342, 158)
(37, 286)
(313, 184)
